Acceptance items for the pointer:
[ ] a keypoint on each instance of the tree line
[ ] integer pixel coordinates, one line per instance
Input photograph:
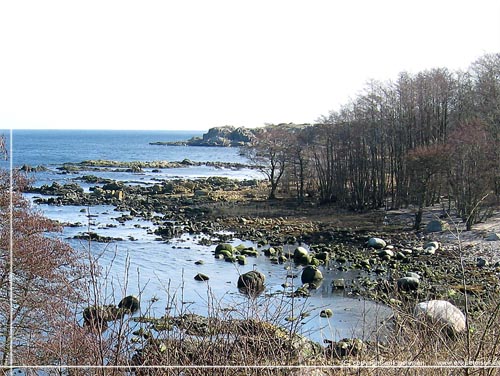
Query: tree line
(412, 141)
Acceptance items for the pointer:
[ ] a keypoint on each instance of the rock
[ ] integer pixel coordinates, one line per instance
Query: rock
(314, 261)
(224, 247)
(326, 313)
(129, 303)
(323, 256)
(430, 248)
(201, 277)
(412, 275)
(217, 136)
(493, 237)
(98, 316)
(338, 283)
(282, 259)
(311, 274)
(481, 262)
(301, 255)
(113, 186)
(408, 284)
(271, 251)
(376, 243)
(345, 347)
(250, 251)
(384, 253)
(225, 254)
(28, 168)
(251, 283)
(436, 226)
(442, 313)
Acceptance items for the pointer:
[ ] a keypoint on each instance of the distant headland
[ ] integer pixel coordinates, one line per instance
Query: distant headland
(218, 136)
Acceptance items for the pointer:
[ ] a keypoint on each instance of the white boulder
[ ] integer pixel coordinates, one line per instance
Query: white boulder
(442, 313)
(376, 243)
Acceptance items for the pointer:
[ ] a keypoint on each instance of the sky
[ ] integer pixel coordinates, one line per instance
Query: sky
(197, 64)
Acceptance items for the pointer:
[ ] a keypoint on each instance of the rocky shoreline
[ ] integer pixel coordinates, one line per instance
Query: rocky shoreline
(388, 262)
(337, 239)
(136, 166)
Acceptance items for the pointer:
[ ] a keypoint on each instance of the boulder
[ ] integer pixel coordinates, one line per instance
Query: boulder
(323, 256)
(436, 226)
(338, 283)
(326, 313)
(113, 186)
(430, 248)
(412, 274)
(201, 277)
(242, 260)
(442, 313)
(98, 316)
(251, 283)
(408, 284)
(493, 237)
(249, 251)
(129, 303)
(376, 243)
(271, 251)
(384, 253)
(224, 248)
(481, 262)
(311, 274)
(301, 255)
(345, 347)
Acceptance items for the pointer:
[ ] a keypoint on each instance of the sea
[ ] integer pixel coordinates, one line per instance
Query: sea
(162, 273)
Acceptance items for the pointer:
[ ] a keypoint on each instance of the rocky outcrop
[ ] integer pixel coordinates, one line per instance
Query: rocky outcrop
(246, 339)
(218, 136)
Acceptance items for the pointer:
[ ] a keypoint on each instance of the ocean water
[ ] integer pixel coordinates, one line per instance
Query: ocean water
(52, 148)
(164, 272)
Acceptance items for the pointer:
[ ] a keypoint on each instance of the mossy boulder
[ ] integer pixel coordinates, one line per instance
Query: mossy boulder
(311, 274)
(224, 247)
(408, 284)
(271, 251)
(242, 260)
(326, 313)
(251, 283)
(301, 255)
(250, 251)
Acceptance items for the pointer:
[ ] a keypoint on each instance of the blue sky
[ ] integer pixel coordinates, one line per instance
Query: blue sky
(197, 64)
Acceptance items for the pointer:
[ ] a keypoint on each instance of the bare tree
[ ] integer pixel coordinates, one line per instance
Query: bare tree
(269, 152)
(425, 164)
(472, 173)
